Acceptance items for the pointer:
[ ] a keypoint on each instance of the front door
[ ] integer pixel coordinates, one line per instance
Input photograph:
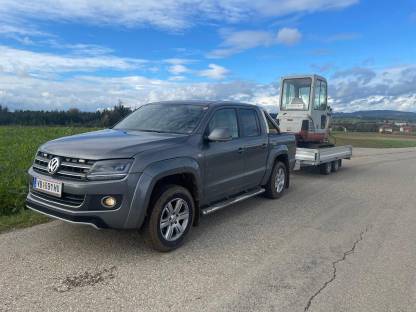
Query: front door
(224, 163)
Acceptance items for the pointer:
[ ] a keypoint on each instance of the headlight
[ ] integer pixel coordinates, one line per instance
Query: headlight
(110, 169)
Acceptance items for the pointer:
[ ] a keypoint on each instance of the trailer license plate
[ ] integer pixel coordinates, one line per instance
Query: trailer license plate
(47, 186)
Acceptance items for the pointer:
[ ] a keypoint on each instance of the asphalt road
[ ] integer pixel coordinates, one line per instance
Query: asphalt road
(344, 242)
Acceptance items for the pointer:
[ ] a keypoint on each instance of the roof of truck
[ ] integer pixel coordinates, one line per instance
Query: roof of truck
(205, 103)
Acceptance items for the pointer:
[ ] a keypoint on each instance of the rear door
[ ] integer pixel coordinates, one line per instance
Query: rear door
(224, 163)
(255, 144)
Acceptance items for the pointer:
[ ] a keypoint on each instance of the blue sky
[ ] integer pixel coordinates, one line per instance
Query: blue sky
(89, 55)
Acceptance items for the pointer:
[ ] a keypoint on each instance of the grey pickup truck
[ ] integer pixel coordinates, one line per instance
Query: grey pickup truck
(162, 167)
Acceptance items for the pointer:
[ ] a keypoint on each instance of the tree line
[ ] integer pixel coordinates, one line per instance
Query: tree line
(357, 126)
(71, 117)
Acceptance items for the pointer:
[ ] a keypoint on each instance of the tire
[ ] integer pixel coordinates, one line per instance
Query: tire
(278, 181)
(335, 166)
(325, 168)
(339, 163)
(171, 218)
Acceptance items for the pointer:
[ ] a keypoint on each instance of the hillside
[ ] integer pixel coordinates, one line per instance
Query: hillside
(379, 114)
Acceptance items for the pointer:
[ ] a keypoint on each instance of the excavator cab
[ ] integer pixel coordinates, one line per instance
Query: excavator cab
(304, 108)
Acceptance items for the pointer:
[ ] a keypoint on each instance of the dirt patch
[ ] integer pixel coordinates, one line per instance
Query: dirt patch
(86, 278)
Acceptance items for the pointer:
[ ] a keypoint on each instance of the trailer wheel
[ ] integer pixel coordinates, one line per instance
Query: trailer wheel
(278, 181)
(335, 165)
(325, 168)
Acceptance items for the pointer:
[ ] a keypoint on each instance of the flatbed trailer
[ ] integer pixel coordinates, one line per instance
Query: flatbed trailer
(328, 158)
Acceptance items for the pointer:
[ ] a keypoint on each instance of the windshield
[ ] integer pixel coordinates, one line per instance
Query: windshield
(168, 118)
(296, 94)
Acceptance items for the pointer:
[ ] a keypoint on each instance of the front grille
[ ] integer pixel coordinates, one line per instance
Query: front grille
(67, 199)
(70, 168)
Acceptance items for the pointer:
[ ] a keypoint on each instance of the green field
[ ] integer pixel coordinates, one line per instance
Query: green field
(18, 146)
(373, 140)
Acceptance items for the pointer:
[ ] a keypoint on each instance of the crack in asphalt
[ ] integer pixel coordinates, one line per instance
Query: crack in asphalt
(334, 267)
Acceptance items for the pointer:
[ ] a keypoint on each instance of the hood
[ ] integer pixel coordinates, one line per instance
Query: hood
(109, 143)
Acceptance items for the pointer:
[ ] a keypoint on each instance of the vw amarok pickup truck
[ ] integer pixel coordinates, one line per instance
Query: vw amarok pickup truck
(162, 167)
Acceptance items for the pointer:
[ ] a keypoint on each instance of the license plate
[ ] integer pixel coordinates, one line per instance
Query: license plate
(47, 186)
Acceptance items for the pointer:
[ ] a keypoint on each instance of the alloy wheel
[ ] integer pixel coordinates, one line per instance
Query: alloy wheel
(174, 219)
(280, 180)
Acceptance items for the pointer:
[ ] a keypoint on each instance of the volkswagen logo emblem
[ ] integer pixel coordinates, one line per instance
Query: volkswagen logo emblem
(53, 165)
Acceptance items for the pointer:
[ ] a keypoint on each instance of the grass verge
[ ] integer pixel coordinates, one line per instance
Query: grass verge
(17, 150)
(21, 219)
(373, 140)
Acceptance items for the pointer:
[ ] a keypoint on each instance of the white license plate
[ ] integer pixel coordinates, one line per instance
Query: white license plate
(47, 186)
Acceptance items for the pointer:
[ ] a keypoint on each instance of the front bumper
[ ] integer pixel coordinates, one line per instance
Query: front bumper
(88, 211)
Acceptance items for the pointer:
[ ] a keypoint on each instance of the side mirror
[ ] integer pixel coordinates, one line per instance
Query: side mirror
(220, 135)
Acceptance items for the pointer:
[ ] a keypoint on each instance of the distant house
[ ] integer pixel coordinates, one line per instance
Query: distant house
(407, 129)
(338, 127)
(386, 128)
(400, 123)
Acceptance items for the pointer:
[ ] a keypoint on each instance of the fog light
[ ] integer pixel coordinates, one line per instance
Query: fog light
(108, 202)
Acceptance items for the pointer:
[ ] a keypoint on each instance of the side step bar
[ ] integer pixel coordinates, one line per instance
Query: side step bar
(231, 201)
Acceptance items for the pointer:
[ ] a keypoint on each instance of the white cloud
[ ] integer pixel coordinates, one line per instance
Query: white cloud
(91, 93)
(81, 48)
(27, 62)
(364, 88)
(350, 90)
(178, 69)
(30, 35)
(177, 78)
(23, 34)
(10, 29)
(178, 61)
(238, 41)
(177, 65)
(248, 39)
(166, 14)
(288, 36)
(214, 72)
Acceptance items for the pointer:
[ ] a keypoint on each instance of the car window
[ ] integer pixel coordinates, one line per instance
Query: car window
(271, 126)
(225, 119)
(169, 118)
(320, 95)
(250, 125)
(296, 94)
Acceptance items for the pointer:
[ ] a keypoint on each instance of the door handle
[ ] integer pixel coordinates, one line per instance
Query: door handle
(241, 149)
(264, 145)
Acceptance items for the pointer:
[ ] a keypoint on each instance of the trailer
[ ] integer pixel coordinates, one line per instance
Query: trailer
(328, 159)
